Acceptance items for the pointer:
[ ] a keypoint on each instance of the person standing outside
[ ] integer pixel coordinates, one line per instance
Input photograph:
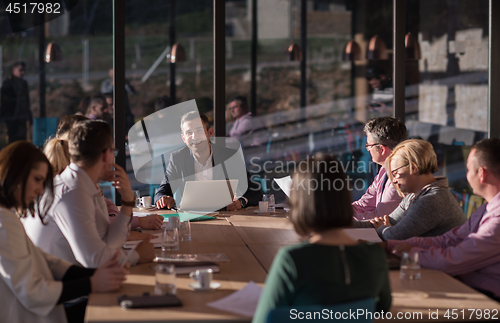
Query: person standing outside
(15, 104)
(381, 198)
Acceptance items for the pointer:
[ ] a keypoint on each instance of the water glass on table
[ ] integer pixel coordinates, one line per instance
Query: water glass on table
(185, 231)
(165, 279)
(137, 198)
(170, 239)
(271, 205)
(410, 266)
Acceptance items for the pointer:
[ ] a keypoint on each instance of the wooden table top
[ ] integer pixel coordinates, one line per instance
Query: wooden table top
(251, 241)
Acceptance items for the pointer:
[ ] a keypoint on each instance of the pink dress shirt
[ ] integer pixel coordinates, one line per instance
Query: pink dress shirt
(471, 252)
(242, 126)
(379, 199)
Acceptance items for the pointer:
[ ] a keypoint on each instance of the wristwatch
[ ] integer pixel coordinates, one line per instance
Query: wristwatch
(243, 202)
(128, 203)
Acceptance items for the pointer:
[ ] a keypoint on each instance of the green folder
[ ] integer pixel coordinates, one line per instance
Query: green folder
(189, 216)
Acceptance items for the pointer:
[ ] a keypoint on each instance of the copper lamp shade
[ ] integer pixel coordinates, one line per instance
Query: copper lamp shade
(376, 49)
(177, 54)
(294, 52)
(352, 51)
(412, 47)
(53, 53)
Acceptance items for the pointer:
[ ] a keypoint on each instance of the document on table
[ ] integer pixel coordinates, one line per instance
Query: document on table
(285, 183)
(367, 234)
(243, 302)
(156, 241)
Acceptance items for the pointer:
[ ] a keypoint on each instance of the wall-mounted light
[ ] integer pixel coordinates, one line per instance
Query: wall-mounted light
(53, 53)
(352, 51)
(412, 47)
(294, 52)
(376, 49)
(176, 54)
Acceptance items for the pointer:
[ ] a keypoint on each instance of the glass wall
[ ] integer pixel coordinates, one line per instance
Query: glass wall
(447, 91)
(341, 93)
(169, 60)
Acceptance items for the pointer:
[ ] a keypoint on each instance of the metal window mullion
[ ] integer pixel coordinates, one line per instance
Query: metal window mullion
(219, 67)
(399, 57)
(119, 83)
(494, 70)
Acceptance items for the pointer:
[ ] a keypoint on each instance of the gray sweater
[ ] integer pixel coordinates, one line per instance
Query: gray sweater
(432, 212)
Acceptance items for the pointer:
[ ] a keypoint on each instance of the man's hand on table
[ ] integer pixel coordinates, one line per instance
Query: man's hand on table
(235, 205)
(165, 201)
(400, 248)
(152, 221)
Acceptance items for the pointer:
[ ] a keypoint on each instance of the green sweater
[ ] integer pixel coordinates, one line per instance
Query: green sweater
(313, 274)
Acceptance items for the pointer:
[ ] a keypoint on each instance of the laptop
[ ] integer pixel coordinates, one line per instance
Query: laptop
(207, 196)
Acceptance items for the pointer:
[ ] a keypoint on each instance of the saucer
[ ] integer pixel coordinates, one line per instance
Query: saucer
(213, 285)
(257, 211)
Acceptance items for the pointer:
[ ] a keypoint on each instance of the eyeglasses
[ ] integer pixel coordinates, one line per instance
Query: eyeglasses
(113, 150)
(368, 147)
(395, 173)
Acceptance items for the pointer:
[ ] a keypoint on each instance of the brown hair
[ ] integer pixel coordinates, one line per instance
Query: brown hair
(325, 206)
(16, 162)
(88, 140)
(57, 152)
(192, 115)
(488, 155)
(67, 123)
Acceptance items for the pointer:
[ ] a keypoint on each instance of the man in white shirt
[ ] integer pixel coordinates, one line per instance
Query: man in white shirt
(196, 162)
(78, 228)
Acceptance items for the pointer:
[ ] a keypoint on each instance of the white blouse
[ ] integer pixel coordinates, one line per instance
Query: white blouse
(78, 228)
(30, 284)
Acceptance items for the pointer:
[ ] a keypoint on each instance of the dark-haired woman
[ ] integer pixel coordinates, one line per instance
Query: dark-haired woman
(329, 267)
(34, 284)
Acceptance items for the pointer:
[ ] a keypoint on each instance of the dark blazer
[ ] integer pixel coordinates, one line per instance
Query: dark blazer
(181, 169)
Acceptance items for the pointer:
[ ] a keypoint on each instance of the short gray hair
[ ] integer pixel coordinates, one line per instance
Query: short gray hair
(387, 131)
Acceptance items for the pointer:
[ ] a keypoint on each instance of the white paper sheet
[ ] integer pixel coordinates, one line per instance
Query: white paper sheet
(156, 241)
(367, 234)
(285, 183)
(243, 302)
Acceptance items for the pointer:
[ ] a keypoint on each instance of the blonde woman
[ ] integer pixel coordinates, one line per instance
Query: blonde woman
(428, 208)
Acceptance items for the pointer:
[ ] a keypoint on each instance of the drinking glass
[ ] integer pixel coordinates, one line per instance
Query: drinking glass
(185, 231)
(170, 239)
(165, 279)
(410, 266)
(137, 198)
(271, 206)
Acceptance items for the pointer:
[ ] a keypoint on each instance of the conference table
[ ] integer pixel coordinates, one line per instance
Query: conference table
(251, 241)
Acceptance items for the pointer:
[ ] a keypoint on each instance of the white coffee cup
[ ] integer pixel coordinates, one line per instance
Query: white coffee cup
(263, 206)
(203, 277)
(146, 201)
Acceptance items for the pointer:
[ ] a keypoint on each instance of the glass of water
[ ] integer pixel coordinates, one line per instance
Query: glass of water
(271, 206)
(137, 198)
(170, 239)
(410, 266)
(165, 279)
(185, 231)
